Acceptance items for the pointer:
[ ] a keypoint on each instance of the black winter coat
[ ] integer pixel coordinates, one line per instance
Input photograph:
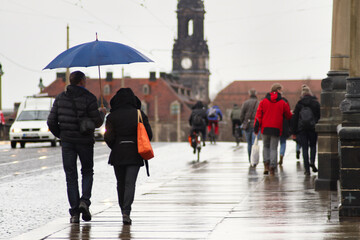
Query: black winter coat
(63, 121)
(307, 100)
(121, 127)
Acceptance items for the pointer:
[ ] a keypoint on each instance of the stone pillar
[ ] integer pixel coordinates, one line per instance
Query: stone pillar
(349, 130)
(333, 92)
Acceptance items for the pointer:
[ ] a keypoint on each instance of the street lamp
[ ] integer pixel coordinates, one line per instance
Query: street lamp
(1, 73)
(41, 85)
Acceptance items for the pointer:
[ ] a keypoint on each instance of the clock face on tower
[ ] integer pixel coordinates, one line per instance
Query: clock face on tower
(186, 63)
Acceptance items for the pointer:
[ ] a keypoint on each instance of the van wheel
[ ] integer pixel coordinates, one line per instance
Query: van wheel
(13, 144)
(22, 144)
(53, 143)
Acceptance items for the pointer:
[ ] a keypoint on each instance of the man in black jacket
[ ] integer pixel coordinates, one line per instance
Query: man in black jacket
(306, 115)
(63, 121)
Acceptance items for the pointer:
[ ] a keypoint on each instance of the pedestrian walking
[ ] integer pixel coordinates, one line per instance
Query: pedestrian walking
(306, 115)
(247, 117)
(64, 119)
(235, 117)
(198, 121)
(269, 120)
(121, 137)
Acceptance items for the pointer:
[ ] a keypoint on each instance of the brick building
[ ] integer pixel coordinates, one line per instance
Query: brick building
(161, 99)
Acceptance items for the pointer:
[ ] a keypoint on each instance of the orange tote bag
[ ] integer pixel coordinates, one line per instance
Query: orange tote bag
(144, 146)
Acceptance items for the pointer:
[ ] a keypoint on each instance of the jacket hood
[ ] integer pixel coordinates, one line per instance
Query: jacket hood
(75, 91)
(198, 105)
(307, 99)
(123, 97)
(273, 96)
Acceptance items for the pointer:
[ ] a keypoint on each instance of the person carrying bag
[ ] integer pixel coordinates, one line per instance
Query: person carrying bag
(123, 138)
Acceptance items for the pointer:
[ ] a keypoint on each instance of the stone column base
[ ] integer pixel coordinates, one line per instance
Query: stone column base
(349, 211)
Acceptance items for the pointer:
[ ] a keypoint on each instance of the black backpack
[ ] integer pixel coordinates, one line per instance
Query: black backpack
(197, 120)
(306, 119)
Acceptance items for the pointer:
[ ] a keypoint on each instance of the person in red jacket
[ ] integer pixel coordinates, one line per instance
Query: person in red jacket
(269, 119)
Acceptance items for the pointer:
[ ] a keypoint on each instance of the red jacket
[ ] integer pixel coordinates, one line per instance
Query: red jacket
(270, 113)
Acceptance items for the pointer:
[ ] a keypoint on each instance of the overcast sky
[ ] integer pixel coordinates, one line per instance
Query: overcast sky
(248, 40)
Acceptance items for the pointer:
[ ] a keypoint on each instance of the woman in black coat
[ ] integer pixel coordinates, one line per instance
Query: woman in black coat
(120, 136)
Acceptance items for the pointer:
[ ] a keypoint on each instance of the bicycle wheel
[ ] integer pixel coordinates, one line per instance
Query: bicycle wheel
(198, 147)
(213, 135)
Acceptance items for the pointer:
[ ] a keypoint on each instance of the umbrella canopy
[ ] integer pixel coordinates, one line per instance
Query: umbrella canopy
(97, 53)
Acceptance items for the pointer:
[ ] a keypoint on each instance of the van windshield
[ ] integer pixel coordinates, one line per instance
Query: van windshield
(33, 115)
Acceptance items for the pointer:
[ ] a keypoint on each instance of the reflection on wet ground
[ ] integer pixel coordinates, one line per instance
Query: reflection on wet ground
(225, 199)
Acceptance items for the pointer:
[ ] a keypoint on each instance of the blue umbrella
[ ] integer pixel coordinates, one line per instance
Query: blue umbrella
(97, 53)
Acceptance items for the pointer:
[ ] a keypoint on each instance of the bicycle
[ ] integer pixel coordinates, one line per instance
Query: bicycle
(195, 141)
(212, 135)
(237, 134)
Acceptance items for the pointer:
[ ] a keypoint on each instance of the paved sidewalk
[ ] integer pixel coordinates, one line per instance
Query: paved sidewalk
(221, 198)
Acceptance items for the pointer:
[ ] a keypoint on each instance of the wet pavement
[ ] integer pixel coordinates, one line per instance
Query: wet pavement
(219, 198)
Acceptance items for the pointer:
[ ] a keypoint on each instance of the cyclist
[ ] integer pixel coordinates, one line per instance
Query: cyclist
(214, 115)
(198, 121)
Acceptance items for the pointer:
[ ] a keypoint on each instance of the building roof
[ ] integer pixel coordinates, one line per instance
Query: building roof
(167, 92)
(237, 91)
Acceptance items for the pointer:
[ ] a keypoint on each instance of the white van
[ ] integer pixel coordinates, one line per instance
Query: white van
(30, 122)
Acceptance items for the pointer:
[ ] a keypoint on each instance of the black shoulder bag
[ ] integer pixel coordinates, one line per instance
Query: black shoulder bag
(87, 126)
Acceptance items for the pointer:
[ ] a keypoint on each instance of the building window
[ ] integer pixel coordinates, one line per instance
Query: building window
(146, 89)
(190, 27)
(174, 108)
(107, 90)
(144, 107)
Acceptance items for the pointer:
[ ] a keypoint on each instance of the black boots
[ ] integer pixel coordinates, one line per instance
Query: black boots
(314, 169)
(126, 220)
(84, 209)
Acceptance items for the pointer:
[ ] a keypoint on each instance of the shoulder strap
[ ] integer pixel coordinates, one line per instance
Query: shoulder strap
(253, 109)
(248, 116)
(139, 116)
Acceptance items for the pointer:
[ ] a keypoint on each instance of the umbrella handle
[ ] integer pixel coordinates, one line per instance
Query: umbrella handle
(101, 93)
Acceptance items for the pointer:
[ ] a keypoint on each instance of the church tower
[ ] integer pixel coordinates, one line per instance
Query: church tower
(190, 52)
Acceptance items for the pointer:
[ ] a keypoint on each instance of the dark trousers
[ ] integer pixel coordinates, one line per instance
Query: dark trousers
(234, 123)
(308, 139)
(213, 124)
(126, 176)
(70, 152)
